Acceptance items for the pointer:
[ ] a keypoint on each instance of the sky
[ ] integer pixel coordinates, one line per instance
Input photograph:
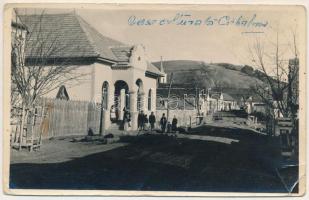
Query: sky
(220, 42)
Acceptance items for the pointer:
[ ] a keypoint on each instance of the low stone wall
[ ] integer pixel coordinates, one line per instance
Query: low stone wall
(183, 116)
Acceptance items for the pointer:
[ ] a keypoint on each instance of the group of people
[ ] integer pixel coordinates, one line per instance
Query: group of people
(166, 127)
(143, 121)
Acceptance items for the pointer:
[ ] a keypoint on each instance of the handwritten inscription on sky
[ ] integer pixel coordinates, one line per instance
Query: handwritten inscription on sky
(185, 19)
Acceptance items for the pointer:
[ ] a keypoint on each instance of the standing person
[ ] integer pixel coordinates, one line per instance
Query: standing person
(174, 124)
(152, 121)
(140, 121)
(126, 119)
(145, 122)
(163, 122)
(113, 113)
(169, 127)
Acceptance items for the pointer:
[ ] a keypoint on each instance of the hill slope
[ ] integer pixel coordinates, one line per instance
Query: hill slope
(210, 75)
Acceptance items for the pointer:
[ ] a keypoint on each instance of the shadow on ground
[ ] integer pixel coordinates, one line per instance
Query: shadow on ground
(165, 163)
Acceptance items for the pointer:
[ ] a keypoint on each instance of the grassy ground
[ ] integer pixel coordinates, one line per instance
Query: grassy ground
(246, 163)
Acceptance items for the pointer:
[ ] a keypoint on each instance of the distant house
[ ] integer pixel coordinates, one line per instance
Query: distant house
(229, 103)
(255, 103)
(214, 102)
(219, 101)
(184, 101)
(181, 97)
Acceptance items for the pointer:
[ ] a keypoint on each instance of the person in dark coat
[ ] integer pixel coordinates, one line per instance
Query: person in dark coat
(152, 121)
(140, 121)
(163, 122)
(174, 124)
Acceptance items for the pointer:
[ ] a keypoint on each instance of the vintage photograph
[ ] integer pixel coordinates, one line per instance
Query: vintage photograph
(153, 98)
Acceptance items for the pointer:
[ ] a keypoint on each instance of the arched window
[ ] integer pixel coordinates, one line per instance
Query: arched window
(149, 99)
(62, 93)
(105, 95)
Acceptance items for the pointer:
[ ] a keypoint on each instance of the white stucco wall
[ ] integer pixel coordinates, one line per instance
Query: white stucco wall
(102, 72)
(138, 61)
(80, 88)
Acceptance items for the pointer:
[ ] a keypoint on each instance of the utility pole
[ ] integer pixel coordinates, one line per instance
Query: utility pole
(168, 96)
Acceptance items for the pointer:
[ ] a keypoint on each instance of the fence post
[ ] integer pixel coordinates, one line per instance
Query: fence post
(22, 126)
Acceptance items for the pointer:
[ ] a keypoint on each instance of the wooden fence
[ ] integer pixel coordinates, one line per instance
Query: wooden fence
(66, 118)
(61, 118)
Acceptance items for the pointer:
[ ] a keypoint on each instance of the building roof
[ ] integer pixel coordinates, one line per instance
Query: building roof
(255, 98)
(227, 97)
(152, 69)
(122, 53)
(214, 94)
(73, 37)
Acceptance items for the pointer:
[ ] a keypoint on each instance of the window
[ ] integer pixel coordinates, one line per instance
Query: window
(62, 93)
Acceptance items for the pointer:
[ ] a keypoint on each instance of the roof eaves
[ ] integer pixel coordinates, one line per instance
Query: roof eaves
(154, 74)
(99, 58)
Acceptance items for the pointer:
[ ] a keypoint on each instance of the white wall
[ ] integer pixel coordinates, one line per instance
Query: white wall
(103, 72)
(78, 89)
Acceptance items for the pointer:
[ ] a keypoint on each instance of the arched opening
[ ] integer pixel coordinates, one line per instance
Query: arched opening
(140, 95)
(149, 100)
(62, 93)
(121, 101)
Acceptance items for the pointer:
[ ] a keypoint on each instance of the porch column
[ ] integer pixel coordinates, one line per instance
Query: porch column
(154, 100)
(133, 111)
(122, 103)
(143, 101)
(106, 111)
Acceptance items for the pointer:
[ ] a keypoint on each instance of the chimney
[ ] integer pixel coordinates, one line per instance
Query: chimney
(161, 65)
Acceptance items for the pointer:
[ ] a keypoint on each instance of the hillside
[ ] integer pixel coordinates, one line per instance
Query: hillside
(212, 75)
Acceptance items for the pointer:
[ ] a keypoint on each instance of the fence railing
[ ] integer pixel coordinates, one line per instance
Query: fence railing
(60, 118)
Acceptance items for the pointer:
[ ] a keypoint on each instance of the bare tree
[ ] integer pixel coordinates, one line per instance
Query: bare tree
(37, 67)
(200, 82)
(273, 67)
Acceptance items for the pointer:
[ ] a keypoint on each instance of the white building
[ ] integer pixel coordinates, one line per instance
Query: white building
(255, 104)
(114, 74)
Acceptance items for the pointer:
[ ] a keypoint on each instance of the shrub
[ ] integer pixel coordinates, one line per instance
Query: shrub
(247, 70)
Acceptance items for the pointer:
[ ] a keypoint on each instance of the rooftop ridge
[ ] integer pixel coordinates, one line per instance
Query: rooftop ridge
(92, 34)
(95, 30)
(87, 34)
(46, 14)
